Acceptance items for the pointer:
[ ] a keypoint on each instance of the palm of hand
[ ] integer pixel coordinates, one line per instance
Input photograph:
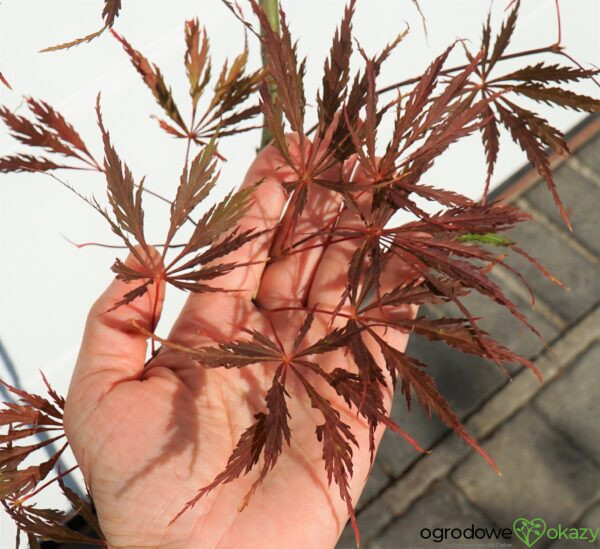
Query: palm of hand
(147, 440)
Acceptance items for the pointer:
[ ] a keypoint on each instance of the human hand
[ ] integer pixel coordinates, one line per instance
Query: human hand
(147, 438)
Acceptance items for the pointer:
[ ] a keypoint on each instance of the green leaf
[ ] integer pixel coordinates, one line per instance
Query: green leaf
(487, 238)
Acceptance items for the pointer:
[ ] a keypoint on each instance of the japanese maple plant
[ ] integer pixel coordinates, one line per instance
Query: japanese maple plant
(443, 256)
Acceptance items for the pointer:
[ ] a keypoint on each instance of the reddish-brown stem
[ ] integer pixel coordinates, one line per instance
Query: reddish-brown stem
(154, 321)
(554, 48)
(75, 168)
(95, 167)
(326, 228)
(277, 338)
(303, 309)
(145, 189)
(116, 246)
(187, 151)
(323, 311)
(559, 39)
(160, 197)
(328, 241)
(299, 250)
(373, 322)
(99, 169)
(189, 139)
(570, 58)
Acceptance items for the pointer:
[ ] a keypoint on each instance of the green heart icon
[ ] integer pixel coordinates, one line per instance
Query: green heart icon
(529, 531)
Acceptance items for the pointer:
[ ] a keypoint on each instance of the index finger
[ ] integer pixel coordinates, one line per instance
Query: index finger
(269, 170)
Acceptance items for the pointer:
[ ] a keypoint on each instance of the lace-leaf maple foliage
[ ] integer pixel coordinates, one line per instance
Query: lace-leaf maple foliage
(450, 253)
(5, 81)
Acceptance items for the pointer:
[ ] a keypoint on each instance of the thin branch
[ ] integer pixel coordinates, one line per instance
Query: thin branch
(117, 246)
(554, 48)
(559, 39)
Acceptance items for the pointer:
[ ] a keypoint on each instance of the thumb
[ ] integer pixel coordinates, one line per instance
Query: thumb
(112, 349)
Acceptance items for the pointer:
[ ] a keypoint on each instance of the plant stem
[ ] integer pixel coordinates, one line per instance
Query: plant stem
(271, 9)
(554, 48)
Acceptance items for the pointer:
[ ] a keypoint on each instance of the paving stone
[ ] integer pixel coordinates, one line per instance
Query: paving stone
(564, 262)
(590, 520)
(436, 466)
(346, 540)
(589, 154)
(465, 380)
(543, 474)
(442, 507)
(516, 394)
(503, 326)
(395, 454)
(580, 197)
(371, 520)
(376, 482)
(449, 452)
(572, 402)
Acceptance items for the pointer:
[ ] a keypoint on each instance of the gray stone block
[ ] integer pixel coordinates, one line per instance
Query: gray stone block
(543, 474)
(581, 198)
(346, 540)
(466, 381)
(376, 482)
(589, 154)
(572, 402)
(442, 507)
(590, 520)
(371, 520)
(563, 261)
(395, 454)
(503, 326)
